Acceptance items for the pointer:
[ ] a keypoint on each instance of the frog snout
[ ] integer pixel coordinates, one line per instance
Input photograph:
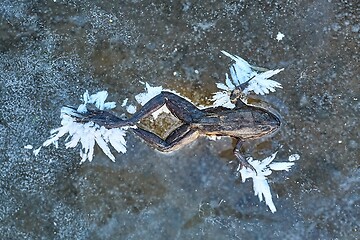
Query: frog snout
(273, 119)
(266, 118)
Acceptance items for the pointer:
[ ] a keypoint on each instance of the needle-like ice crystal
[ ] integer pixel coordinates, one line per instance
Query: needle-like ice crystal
(88, 133)
(263, 169)
(143, 98)
(242, 72)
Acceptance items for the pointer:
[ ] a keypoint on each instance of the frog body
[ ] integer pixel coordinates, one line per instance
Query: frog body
(243, 123)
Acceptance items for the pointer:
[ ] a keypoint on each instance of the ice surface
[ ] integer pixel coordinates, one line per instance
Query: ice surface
(53, 49)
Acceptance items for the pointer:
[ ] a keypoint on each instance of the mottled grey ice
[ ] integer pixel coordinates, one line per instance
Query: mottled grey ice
(51, 52)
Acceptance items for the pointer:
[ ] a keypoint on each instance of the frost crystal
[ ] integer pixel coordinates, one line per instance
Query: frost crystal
(131, 109)
(143, 98)
(294, 157)
(88, 133)
(279, 36)
(242, 72)
(150, 92)
(98, 99)
(263, 169)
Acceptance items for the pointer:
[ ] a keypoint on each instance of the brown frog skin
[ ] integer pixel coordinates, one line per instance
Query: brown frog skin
(243, 123)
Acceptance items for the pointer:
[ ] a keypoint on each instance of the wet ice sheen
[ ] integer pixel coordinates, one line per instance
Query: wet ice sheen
(90, 133)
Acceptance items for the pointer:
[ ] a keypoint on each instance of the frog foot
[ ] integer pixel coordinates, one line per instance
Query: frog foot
(247, 165)
(243, 162)
(102, 118)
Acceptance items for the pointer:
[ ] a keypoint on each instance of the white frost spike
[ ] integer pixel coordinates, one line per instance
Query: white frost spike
(116, 138)
(228, 82)
(86, 97)
(28, 147)
(103, 145)
(260, 84)
(82, 108)
(222, 99)
(98, 99)
(228, 86)
(241, 68)
(109, 105)
(278, 166)
(54, 138)
(241, 72)
(143, 98)
(294, 157)
(89, 133)
(36, 151)
(263, 169)
(124, 102)
(222, 86)
(71, 112)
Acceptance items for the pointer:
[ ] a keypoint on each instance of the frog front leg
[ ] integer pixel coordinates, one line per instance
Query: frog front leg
(242, 161)
(177, 138)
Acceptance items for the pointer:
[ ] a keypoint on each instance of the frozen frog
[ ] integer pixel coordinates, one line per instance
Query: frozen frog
(243, 122)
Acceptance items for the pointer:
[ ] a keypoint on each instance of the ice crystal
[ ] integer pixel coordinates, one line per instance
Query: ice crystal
(98, 99)
(88, 133)
(131, 109)
(294, 157)
(28, 147)
(263, 169)
(279, 36)
(242, 72)
(143, 98)
(150, 92)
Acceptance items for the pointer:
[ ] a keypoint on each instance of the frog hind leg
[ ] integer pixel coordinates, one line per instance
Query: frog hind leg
(242, 161)
(178, 138)
(99, 117)
(182, 108)
(178, 106)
